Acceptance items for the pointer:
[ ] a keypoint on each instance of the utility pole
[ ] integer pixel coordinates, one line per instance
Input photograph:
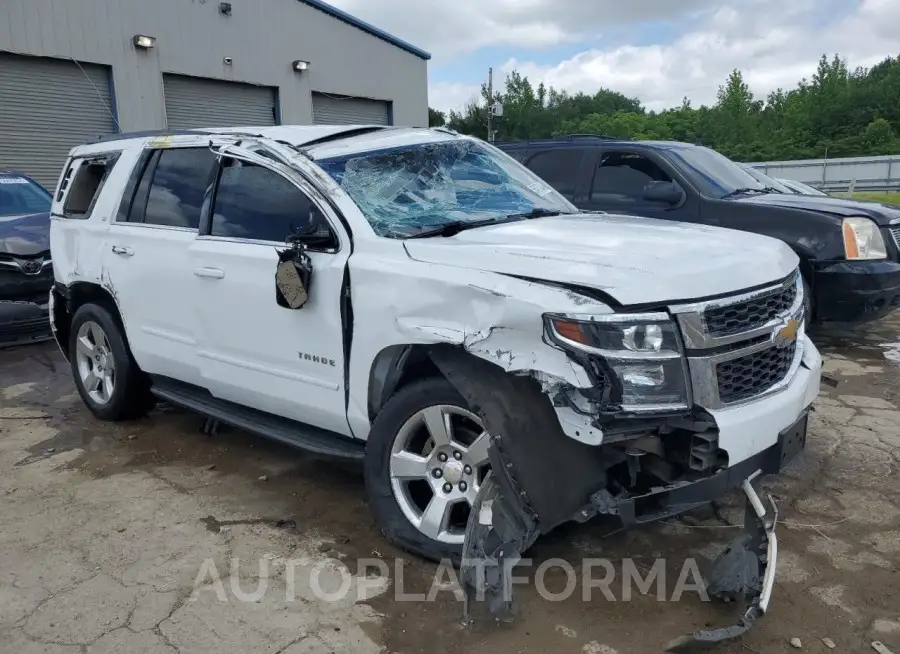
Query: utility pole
(490, 105)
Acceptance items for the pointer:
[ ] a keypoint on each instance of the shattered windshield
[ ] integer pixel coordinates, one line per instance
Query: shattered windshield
(407, 190)
(715, 174)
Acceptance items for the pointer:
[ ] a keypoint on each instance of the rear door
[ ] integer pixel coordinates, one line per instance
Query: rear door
(146, 257)
(252, 351)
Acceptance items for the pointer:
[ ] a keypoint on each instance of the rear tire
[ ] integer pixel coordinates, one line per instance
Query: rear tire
(106, 375)
(426, 457)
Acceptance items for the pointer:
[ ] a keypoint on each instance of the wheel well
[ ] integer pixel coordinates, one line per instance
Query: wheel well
(70, 298)
(395, 367)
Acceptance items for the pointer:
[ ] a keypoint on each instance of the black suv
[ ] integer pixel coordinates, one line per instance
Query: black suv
(850, 250)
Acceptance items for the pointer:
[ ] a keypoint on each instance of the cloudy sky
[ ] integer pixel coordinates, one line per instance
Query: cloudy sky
(656, 50)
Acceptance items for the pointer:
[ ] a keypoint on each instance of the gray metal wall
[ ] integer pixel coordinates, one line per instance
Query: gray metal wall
(262, 37)
(862, 173)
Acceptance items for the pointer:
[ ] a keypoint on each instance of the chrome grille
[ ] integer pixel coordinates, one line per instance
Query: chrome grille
(731, 345)
(746, 377)
(744, 316)
(896, 233)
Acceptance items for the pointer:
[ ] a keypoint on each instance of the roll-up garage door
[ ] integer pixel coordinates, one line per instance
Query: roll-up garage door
(48, 106)
(345, 110)
(198, 102)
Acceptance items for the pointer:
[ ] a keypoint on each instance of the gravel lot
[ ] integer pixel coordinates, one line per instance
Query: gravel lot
(104, 530)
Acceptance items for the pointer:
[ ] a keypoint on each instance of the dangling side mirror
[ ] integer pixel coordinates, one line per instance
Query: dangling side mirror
(293, 276)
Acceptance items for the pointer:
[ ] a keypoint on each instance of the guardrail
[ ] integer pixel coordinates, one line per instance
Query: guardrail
(846, 174)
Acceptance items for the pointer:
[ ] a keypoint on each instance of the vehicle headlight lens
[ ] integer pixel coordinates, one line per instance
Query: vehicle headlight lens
(863, 240)
(642, 353)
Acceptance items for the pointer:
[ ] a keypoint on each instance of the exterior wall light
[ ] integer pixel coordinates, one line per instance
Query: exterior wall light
(144, 42)
(299, 65)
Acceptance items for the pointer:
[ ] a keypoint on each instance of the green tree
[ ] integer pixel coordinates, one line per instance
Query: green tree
(436, 118)
(846, 112)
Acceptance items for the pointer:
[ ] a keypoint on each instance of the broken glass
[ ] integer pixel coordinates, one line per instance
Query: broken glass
(406, 190)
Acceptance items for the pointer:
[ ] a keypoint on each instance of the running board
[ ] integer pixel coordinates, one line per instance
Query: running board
(313, 440)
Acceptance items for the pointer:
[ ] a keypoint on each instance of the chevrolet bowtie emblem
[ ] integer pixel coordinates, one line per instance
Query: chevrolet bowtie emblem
(787, 334)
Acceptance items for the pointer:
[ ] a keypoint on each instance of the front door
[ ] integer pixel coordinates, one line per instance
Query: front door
(252, 351)
(617, 186)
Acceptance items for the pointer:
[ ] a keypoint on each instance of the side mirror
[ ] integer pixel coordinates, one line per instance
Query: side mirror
(293, 277)
(666, 192)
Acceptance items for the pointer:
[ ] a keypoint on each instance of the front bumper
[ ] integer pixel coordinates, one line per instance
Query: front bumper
(855, 291)
(23, 323)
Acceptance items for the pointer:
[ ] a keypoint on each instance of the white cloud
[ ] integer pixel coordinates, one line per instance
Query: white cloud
(452, 95)
(450, 27)
(774, 42)
(775, 45)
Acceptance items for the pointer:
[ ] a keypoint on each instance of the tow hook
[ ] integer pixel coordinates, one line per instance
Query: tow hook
(746, 569)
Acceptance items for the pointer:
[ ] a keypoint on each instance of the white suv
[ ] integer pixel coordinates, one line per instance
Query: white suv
(418, 300)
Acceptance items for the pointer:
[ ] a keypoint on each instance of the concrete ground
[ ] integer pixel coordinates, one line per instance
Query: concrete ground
(121, 538)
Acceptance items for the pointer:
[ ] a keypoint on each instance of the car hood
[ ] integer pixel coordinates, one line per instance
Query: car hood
(25, 236)
(634, 260)
(883, 214)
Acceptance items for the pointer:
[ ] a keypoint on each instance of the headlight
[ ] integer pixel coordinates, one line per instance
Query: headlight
(641, 352)
(863, 240)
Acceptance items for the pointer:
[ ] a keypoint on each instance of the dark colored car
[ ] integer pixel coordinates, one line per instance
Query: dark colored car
(850, 250)
(26, 272)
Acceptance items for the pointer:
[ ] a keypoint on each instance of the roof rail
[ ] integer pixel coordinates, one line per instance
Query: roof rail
(596, 136)
(149, 132)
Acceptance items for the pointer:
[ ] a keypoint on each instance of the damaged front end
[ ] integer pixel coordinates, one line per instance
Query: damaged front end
(636, 444)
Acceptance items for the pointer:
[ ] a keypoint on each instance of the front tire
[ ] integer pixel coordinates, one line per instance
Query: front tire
(106, 375)
(426, 458)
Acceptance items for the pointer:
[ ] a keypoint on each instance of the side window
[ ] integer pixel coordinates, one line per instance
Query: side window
(560, 168)
(253, 202)
(623, 176)
(134, 195)
(86, 186)
(180, 182)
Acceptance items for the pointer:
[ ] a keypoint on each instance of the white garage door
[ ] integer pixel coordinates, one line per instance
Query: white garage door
(48, 106)
(198, 102)
(345, 110)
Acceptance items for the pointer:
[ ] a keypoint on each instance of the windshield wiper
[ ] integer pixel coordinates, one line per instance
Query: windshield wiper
(537, 212)
(741, 191)
(457, 226)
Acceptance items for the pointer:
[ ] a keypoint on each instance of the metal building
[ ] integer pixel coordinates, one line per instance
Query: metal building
(71, 71)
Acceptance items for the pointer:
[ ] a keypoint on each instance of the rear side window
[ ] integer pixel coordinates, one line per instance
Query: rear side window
(256, 203)
(174, 183)
(85, 187)
(560, 168)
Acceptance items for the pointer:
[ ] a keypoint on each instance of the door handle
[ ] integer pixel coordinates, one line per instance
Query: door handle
(212, 273)
(122, 250)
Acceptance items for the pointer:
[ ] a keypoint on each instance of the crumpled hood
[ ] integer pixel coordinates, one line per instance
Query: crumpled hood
(883, 214)
(635, 260)
(25, 236)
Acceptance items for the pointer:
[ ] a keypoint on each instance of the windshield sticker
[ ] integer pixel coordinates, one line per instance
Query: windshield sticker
(542, 190)
(13, 180)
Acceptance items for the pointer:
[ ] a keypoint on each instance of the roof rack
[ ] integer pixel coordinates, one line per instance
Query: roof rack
(595, 136)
